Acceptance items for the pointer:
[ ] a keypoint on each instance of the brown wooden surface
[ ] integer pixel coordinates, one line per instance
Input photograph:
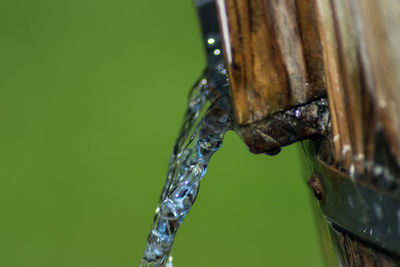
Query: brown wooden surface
(361, 49)
(282, 54)
(286, 54)
(273, 56)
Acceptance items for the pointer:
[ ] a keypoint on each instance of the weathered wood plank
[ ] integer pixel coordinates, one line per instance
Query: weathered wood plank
(283, 55)
(272, 54)
(381, 20)
(361, 48)
(340, 132)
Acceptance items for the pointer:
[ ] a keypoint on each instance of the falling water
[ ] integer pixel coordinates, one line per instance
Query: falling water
(206, 121)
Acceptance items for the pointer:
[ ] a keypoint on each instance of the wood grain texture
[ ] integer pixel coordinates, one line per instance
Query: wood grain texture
(283, 55)
(361, 49)
(382, 39)
(273, 56)
(340, 131)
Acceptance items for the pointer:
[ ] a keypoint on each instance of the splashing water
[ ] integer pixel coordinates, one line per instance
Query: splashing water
(206, 121)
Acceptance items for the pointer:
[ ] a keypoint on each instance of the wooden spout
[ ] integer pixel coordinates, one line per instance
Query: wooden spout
(287, 60)
(274, 59)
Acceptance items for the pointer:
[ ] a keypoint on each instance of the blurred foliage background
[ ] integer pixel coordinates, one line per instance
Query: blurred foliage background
(92, 94)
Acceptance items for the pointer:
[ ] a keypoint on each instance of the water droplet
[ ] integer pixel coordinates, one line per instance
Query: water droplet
(168, 210)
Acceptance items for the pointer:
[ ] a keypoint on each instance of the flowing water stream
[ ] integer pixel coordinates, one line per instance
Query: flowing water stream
(207, 118)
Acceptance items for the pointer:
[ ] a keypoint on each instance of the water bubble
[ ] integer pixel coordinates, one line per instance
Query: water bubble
(169, 263)
(168, 210)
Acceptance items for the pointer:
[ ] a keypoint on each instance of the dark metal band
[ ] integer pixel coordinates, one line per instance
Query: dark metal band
(361, 210)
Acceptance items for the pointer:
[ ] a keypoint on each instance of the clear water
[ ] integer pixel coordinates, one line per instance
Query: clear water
(206, 121)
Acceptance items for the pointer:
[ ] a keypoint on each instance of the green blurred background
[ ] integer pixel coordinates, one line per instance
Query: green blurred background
(92, 94)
